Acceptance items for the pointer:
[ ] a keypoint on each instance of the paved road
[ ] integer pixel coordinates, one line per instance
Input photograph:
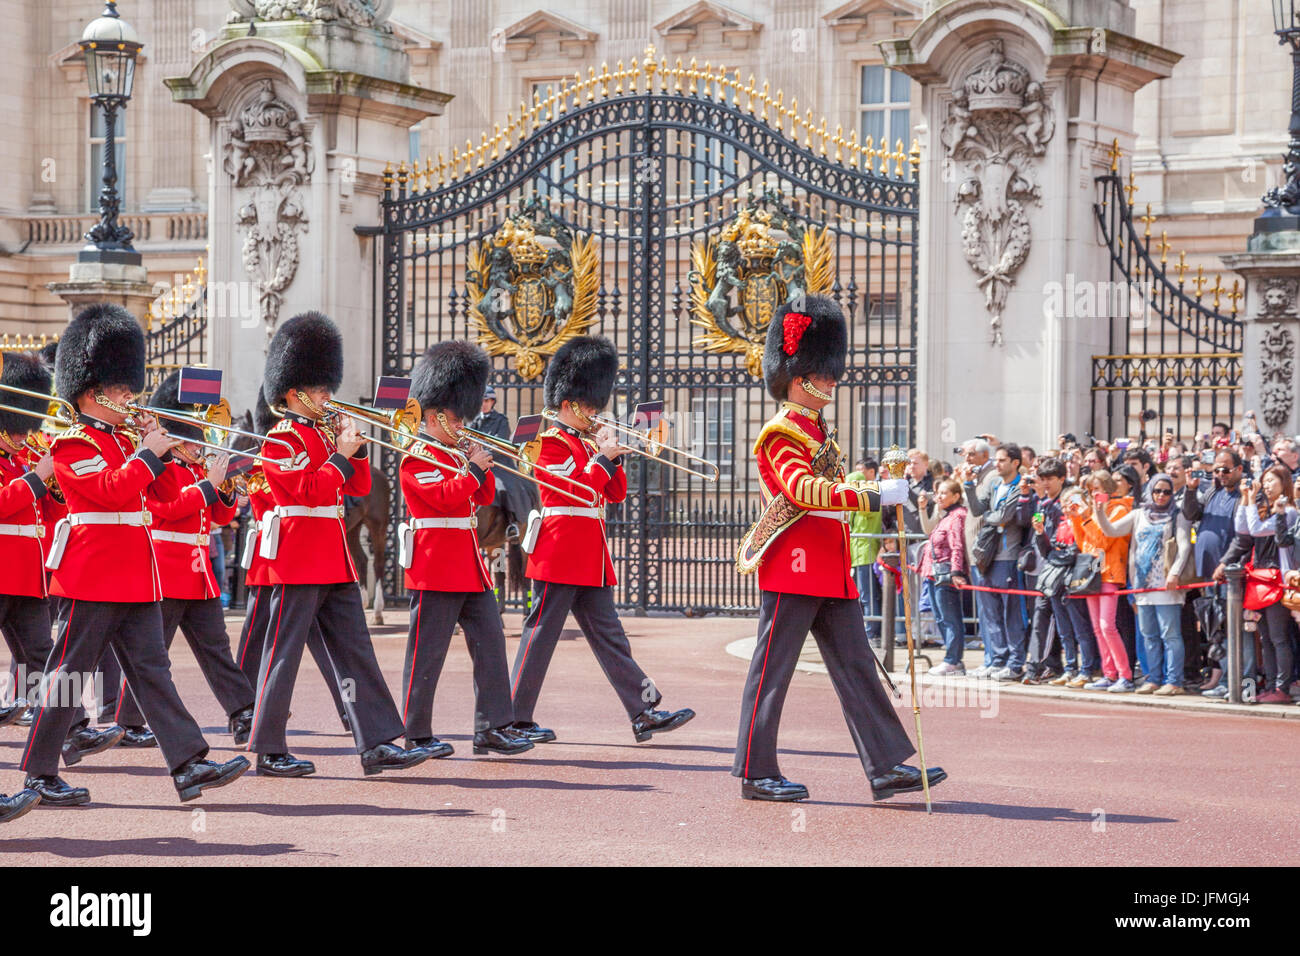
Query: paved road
(1031, 782)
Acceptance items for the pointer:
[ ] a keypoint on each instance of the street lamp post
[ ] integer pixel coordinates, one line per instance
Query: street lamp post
(110, 45)
(1285, 199)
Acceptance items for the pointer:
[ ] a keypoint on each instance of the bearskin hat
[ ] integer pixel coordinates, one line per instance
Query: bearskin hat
(305, 352)
(802, 342)
(263, 419)
(23, 370)
(47, 354)
(103, 345)
(165, 397)
(583, 370)
(451, 375)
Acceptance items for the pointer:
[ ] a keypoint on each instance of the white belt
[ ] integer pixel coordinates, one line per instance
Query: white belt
(24, 530)
(464, 524)
(200, 540)
(833, 515)
(301, 511)
(137, 519)
(573, 512)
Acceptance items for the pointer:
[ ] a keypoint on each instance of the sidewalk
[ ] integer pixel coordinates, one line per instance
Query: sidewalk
(810, 662)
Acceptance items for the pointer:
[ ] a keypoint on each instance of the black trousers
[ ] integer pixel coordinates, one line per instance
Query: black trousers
(593, 608)
(203, 622)
(784, 621)
(134, 631)
(433, 619)
(337, 608)
(25, 624)
(1044, 644)
(252, 642)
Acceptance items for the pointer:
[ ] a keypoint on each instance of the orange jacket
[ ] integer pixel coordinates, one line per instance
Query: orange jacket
(1093, 541)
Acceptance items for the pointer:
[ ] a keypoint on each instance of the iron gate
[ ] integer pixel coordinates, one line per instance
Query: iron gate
(1174, 350)
(646, 188)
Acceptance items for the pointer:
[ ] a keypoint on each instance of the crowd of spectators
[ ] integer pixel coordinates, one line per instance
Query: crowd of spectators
(1100, 565)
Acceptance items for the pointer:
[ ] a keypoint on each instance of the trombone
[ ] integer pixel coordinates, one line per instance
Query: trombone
(403, 423)
(527, 465)
(211, 419)
(650, 448)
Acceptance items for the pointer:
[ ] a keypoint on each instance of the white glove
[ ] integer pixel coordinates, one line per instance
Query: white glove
(893, 491)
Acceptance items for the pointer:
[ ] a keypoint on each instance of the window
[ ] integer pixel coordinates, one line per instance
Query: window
(413, 145)
(882, 309)
(95, 168)
(885, 421)
(713, 427)
(884, 99)
(550, 181)
(714, 165)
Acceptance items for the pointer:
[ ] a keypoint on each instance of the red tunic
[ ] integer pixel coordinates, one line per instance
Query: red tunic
(197, 509)
(313, 550)
(260, 502)
(445, 559)
(573, 549)
(812, 555)
(22, 558)
(100, 470)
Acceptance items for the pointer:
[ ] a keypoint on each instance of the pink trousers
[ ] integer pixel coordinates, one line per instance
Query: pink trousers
(1101, 608)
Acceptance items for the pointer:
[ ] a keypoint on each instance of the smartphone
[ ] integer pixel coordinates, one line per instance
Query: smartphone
(1038, 517)
(1207, 456)
(1100, 497)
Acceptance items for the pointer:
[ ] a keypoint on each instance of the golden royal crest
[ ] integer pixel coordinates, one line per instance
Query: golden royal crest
(532, 287)
(763, 258)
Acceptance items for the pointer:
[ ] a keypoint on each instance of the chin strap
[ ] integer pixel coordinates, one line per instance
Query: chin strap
(106, 402)
(582, 416)
(308, 403)
(814, 391)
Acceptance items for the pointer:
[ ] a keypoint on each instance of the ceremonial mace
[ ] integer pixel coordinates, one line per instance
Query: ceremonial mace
(894, 462)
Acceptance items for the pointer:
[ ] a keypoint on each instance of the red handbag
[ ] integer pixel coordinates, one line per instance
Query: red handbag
(1263, 587)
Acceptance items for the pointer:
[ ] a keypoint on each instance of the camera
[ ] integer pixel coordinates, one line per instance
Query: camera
(1149, 414)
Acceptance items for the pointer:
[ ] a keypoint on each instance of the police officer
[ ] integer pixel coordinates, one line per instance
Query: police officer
(570, 559)
(181, 530)
(804, 572)
(103, 559)
(311, 571)
(445, 571)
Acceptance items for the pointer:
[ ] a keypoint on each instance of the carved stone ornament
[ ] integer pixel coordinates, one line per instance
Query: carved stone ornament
(763, 258)
(532, 286)
(999, 121)
(1277, 374)
(362, 13)
(269, 159)
(1277, 296)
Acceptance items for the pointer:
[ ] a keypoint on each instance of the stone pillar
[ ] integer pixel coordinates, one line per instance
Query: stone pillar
(1022, 101)
(1271, 326)
(125, 284)
(305, 113)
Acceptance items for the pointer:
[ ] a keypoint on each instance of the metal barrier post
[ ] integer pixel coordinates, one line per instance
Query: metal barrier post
(1233, 609)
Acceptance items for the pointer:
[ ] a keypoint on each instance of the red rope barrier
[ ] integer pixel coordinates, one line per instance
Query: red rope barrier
(980, 587)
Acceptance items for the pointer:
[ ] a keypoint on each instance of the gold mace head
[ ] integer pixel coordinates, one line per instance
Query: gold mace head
(894, 461)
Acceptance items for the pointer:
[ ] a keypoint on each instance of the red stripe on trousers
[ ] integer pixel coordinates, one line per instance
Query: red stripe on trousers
(415, 653)
(67, 635)
(257, 709)
(251, 618)
(754, 716)
(529, 646)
